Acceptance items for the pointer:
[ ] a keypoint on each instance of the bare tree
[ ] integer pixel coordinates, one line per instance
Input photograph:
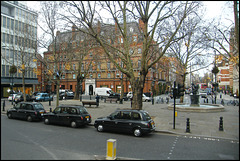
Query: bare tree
(151, 14)
(51, 23)
(191, 48)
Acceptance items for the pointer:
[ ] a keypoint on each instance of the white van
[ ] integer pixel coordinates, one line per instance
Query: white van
(103, 92)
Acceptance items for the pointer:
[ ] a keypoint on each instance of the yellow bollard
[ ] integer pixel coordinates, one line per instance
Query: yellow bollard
(111, 149)
(176, 113)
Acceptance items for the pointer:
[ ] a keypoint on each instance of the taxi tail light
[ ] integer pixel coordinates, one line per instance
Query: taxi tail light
(81, 118)
(149, 124)
(35, 113)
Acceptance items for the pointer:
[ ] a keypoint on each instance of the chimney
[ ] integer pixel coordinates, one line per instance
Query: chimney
(74, 27)
(141, 24)
(98, 27)
(57, 33)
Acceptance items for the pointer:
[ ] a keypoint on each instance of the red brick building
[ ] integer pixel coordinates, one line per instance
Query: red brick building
(101, 72)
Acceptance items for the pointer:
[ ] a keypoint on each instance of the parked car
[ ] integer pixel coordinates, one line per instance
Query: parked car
(70, 115)
(125, 96)
(43, 97)
(137, 122)
(69, 95)
(148, 94)
(33, 96)
(11, 97)
(27, 110)
(114, 95)
(129, 95)
(144, 97)
(235, 95)
(19, 98)
(203, 93)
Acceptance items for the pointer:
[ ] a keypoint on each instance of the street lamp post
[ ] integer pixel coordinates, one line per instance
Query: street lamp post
(215, 70)
(153, 82)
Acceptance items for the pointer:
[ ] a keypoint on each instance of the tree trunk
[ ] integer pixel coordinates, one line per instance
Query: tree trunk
(23, 82)
(78, 87)
(137, 89)
(57, 100)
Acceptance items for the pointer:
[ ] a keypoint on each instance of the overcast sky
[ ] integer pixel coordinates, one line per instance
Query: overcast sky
(214, 9)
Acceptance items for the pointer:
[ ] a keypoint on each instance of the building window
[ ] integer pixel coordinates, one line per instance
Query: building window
(99, 66)
(139, 50)
(90, 54)
(135, 38)
(109, 75)
(74, 67)
(74, 76)
(139, 63)
(131, 51)
(117, 75)
(121, 40)
(63, 76)
(99, 75)
(108, 65)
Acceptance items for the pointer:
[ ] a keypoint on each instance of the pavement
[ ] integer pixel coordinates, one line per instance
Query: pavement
(205, 124)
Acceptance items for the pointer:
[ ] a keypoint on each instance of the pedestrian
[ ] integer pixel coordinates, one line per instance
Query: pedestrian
(65, 95)
(97, 100)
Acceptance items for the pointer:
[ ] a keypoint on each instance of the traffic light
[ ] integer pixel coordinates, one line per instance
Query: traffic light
(180, 90)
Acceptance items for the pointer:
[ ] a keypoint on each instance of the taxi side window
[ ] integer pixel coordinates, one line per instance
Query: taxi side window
(64, 110)
(57, 110)
(72, 111)
(18, 106)
(136, 116)
(125, 115)
(29, 107)
(23, 106)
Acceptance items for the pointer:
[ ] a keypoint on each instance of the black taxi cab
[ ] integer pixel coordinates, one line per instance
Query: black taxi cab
(137, 122)
(69, 115)
(27, 110)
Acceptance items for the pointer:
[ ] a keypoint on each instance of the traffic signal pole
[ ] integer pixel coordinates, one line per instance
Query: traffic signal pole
(174, 102)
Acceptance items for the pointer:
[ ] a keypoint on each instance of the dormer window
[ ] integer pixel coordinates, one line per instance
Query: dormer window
(131, 29)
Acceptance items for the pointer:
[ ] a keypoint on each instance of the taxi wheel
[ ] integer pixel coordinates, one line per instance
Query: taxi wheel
(46, 121)
(9, 115)
(100, 128)
(137, 132)
(73, 124)
(29, 118)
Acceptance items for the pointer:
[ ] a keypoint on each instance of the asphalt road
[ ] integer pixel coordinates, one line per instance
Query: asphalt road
(35, 140)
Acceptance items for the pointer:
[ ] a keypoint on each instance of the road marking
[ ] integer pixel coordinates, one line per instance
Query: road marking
(173, 146)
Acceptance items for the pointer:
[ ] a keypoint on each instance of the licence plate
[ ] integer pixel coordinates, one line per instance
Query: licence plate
(87, 117)
(153, 124)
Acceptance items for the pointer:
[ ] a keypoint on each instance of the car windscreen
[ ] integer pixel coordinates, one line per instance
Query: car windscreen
(38, 107)
(83, 110)
(146, 116)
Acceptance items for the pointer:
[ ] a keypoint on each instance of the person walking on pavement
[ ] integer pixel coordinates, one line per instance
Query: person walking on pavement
(97, 100)
(65, 95)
